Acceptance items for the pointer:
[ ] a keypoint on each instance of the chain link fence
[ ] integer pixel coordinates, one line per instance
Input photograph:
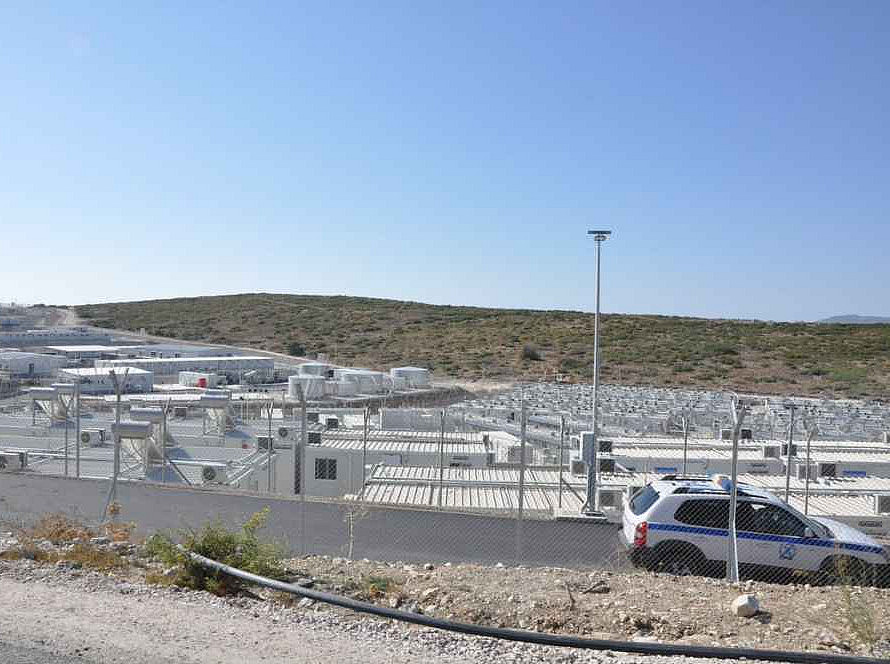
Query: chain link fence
(454, 523)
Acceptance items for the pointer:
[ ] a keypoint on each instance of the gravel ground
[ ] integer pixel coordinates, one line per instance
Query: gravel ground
(53, 613)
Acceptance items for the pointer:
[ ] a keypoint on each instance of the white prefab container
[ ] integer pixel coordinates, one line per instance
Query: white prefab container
(231, 367)
(413, 376)
(43, 393)
(153, 415)
(365, 381)
(214, 400)
(313, 386)
(314, 369)
(30, 364)
(98, 381)
(339, 388)
(137, 430)
(198, 379)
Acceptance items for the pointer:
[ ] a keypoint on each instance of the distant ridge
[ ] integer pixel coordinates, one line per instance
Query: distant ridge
(853, 319)
(495, 345)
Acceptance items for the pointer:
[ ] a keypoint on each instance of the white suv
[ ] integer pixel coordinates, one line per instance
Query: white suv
(680, 525)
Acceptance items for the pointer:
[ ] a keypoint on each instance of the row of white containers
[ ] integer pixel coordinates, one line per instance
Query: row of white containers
(318, 380)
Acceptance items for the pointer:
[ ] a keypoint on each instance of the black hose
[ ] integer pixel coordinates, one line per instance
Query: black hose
(538, 638)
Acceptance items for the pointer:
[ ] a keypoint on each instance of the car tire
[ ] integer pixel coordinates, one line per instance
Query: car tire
(845, 570)
(679, 559)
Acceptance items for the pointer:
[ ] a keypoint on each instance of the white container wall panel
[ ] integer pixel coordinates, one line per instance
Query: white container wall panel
(313, 387)
(231, 367)
(198, 379)
(98, 380)
(314, 369)
(414, 376)
(37, 365)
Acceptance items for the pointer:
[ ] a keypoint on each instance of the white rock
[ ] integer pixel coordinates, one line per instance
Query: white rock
(745, 606)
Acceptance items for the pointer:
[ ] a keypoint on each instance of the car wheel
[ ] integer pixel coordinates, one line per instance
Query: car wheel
(845, 570)
(680, 560)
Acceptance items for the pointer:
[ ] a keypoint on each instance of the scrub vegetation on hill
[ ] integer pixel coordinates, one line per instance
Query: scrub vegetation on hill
(474, 343)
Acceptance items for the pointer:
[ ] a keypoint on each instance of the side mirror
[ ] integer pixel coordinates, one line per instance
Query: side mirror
(808, 533)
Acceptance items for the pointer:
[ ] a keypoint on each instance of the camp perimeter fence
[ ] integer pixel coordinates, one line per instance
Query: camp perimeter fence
(664, 582)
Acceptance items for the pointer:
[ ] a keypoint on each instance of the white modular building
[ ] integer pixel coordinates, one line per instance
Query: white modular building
(85, 352)
(315, 369)
(413, 377)
(30, 365)
(198, 379)
(98, 380)
(365, 380)
(53, 336)
(231, 367)
(313, 386)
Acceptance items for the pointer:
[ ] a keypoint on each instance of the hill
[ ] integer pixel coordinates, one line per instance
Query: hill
(854, 319)
(479, 343)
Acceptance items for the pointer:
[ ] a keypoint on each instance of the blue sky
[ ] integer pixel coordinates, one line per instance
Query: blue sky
(450, 152)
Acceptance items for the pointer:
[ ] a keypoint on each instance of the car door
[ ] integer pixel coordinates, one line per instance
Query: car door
(771, 536)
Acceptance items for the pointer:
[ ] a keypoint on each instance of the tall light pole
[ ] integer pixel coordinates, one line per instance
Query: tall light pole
(590, 502)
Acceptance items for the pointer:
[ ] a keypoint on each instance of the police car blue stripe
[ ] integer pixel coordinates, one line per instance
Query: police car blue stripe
(722, 532)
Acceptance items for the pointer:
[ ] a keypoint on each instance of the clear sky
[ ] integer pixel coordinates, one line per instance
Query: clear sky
(450, 152)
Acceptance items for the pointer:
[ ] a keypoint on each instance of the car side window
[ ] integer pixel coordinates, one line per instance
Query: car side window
(704, 513)
(769, 520)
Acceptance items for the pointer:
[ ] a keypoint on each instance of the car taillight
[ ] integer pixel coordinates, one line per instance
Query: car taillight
(640, 533)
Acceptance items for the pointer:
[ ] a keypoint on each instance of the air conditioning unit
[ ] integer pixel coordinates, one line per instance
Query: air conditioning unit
(827, 469)
(312, 418)
(578, 467)
(92, 437)
(882, 504)
(283, 432)
(746, 434)
(180, 411)
(263, 442)
(606, 465)
(793, 449)
(771, 451)
(332, 422)
(802, 472)
(12, 461)
(214, 474)
(605, 446)
(609, 498)
(313, 437)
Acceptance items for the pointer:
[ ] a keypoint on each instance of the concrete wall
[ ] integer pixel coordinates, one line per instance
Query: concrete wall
(321, 527)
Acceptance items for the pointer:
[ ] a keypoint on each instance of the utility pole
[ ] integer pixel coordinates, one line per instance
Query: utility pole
(441, 457)
(739, 411)
(792, 407)
(522, 425)
(685, 440)
(77, 429)
(811, 433)
(118, 388)
(562, 437)
(366, 422)
(589, 506)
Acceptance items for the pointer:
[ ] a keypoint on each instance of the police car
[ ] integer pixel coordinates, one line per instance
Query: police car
(680, 525)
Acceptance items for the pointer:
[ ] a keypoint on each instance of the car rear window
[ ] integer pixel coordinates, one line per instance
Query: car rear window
(704, 513)
(643, 499)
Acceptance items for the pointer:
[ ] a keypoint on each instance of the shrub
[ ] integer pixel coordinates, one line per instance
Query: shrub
(242, 549)
(531, 352)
